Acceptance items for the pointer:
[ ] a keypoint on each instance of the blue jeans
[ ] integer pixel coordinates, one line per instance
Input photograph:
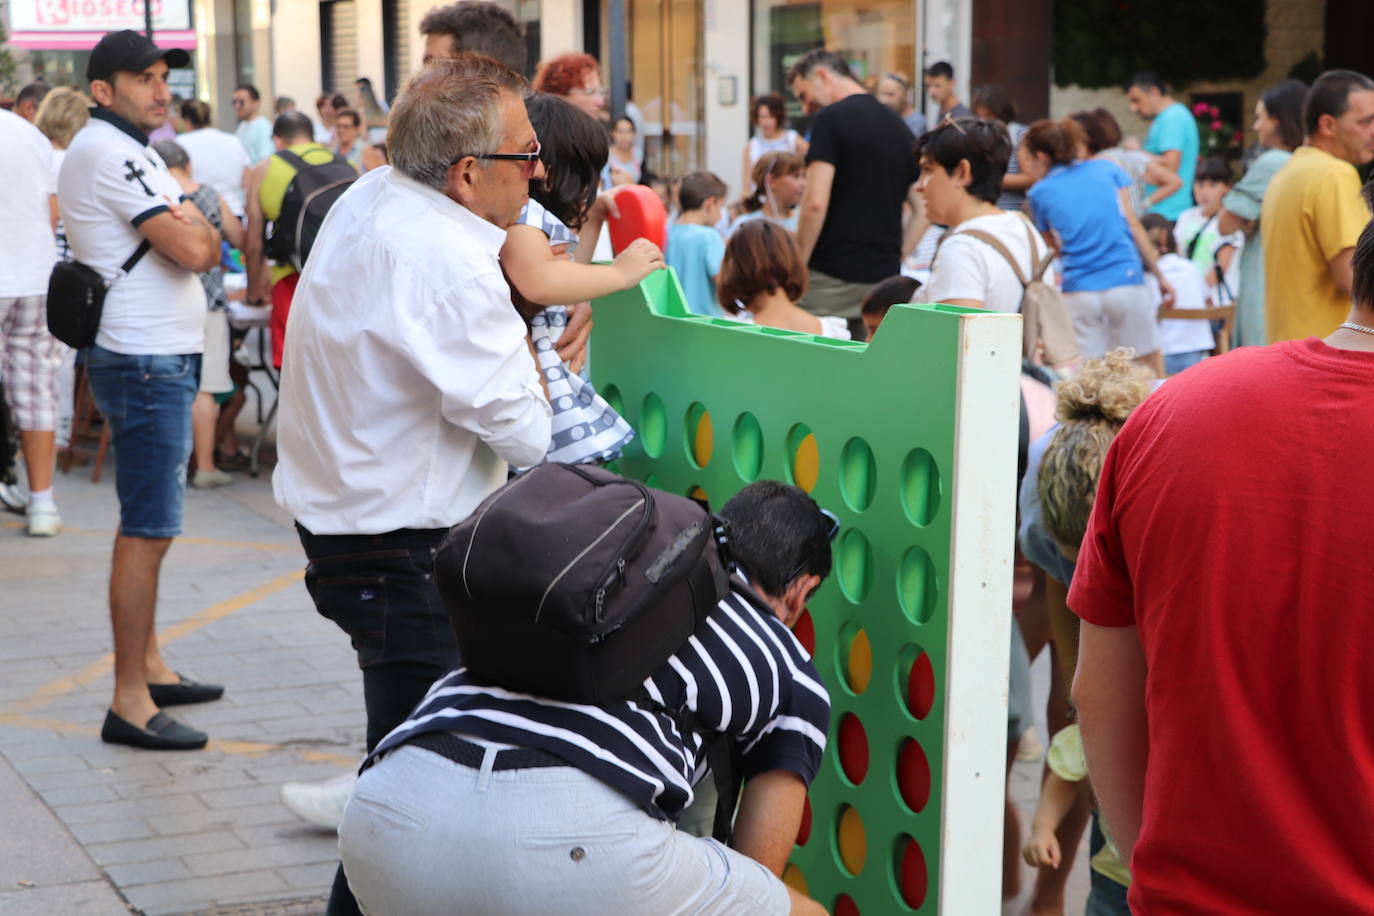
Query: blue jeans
(1177, 362)
(146, 399)
(1107, 898)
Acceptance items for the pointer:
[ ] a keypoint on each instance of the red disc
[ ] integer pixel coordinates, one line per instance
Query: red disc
(913, 775)
(641, 217)
(913, 875)
(804, 831)
(853, 748)
(920, 687)
(805, 631)
(845, 906)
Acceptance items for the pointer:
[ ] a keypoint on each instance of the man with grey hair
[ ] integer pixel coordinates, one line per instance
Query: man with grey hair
(408, 387)
(859, 168)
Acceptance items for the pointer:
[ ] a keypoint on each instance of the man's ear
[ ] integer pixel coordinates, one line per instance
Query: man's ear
(462, 181)
(102, 91)
(795, 595)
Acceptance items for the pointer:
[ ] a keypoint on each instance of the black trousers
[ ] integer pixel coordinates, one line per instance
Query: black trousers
(379, 589)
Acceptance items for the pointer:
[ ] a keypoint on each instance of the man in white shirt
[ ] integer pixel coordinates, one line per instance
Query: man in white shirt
(217, 157)
(254, 131)
(408, 387)
(29, 355)
(117, 198)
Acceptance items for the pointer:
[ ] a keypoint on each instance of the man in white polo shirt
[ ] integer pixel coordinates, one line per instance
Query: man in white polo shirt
(118, 198)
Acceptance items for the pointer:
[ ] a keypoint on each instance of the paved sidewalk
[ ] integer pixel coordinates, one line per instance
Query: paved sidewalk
(95, 829)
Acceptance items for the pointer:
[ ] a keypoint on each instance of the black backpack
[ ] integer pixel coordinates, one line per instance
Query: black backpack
(573, 583)
(312, 191)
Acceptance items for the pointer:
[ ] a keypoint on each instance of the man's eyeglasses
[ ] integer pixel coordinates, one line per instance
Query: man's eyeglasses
(530, 159)
(834, 529)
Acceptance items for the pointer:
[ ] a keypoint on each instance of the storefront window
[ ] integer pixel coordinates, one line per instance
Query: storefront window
(875, 37)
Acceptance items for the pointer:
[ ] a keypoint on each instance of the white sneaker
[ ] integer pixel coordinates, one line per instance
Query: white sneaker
(208, 480)
(44, 522)
(12, 499)
(320, 803)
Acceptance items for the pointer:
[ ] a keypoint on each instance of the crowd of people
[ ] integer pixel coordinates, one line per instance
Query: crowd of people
(464, 224)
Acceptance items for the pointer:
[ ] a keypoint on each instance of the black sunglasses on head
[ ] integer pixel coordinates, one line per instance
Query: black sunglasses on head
(830, 533)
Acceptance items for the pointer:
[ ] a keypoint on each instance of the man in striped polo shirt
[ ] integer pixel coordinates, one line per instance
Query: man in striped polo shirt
(490, 801)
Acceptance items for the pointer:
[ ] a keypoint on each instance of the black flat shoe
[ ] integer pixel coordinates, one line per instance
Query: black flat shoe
(184, 691)
(162, 733)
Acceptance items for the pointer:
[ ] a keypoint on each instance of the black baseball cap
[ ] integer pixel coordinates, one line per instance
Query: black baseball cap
(130, 51)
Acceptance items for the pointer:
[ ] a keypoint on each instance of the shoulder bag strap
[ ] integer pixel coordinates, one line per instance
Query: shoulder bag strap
(291, 159)
(143, 248)
(1038, 267)
(996, 245)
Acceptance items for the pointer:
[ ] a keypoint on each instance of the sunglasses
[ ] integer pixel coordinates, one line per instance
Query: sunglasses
(831, 531)
(530, 159)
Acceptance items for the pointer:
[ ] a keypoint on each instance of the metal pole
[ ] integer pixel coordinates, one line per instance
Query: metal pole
(148, 18)
(620, 73)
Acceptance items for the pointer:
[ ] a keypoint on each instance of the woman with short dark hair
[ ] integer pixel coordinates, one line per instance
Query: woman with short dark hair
(763, 276)
(1278, 122)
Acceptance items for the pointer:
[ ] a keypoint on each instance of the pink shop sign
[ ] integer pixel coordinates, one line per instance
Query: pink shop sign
(95, 15)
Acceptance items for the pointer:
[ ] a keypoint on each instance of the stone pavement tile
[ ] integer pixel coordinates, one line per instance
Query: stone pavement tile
(222, 776)
(87, 898)
(134, 828)
(37, 848)
(225, 818)
(56, 764)
(150, 872)
(150, 808)
(177, 896)
(303, 851)
(129, 773)
(278, 834)
(163, 847)
(309, 877)
(78, 795)
(227, 711)
(237, 798)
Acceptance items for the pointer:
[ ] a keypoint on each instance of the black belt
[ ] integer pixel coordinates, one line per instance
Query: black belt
(451, 747)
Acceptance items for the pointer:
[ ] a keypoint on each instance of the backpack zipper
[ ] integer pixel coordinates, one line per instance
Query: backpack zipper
(601, 592)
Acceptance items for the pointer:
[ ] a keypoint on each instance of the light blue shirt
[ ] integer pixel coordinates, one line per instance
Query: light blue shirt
(1174, 128)
(695, 253)
(790, 224)
(256, 137)
(1082, 204)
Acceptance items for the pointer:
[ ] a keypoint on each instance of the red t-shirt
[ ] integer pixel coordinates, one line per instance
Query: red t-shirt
(1234, 525)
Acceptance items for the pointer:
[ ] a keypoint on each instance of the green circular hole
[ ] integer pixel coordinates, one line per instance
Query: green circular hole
(854, 563)
(653, 481)
(920, 487)
(747, 447)
(614, 398)
(917, 589)
(858, 474)
(653, 425)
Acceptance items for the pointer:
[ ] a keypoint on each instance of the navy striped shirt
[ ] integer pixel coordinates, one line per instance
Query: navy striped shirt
(743, 673)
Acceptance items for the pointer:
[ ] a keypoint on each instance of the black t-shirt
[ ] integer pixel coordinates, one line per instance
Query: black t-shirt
(875, 164)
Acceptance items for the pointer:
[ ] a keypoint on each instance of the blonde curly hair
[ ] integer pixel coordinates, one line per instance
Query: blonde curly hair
(1092, 407)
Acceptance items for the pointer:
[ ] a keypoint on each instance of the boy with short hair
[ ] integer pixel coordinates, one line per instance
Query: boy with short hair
(1199, 236)
(695, 246)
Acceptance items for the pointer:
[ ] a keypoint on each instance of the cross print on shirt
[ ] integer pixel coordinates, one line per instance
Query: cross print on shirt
(135, 173)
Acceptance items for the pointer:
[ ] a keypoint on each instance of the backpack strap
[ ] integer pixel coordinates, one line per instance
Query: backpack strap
(996, 244)
(1038, 268)
(291, 159)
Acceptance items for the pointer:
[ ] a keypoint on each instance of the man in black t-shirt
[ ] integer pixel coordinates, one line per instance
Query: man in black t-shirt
(860, 167)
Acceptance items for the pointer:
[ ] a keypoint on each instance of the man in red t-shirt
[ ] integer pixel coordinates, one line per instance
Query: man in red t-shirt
(1225, 682)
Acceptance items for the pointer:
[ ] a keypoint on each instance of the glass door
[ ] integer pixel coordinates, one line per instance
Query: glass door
(665, 62)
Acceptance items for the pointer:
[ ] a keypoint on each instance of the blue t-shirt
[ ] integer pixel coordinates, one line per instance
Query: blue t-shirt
(695, 253)
(1174, 128)
(1081, 203)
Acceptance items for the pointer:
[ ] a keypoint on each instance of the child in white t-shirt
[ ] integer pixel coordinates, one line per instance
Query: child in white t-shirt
(1184, 342)
(1199, 237)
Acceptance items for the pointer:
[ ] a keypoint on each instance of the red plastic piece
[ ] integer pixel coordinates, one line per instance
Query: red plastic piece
(804, 831)
(913, 775)
(641, 217)
(913, 878)
(920, 687)
(805, 631)
(853, 748)
(845, 906)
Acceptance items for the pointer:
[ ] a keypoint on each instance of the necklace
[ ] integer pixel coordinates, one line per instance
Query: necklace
(1358, 327)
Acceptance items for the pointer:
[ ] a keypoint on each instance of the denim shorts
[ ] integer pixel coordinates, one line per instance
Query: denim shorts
(425, 836)
(147, 402)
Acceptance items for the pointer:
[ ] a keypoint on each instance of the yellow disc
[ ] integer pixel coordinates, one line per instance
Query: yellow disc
(860, 662)
(853, 842)
(703, 443)
(698, 493)
(806, 466)
(792, 876)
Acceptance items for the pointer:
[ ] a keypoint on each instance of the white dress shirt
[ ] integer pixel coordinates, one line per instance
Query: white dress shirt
(219, 160)
(29, 249)
(407, 385)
